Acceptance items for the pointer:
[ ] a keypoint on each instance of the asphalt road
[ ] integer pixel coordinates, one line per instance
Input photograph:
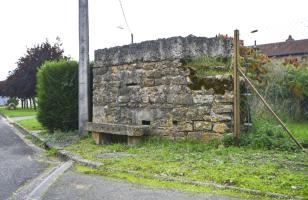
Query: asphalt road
(17, 161)
(77, 186)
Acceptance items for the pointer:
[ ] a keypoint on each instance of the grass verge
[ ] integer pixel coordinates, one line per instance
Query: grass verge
(265, 170)
(35, 141)
(31, 124)
(300, 131)
(18, 112)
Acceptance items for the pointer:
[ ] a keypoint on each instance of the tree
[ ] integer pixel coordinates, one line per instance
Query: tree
(21, 82)
(2, 88)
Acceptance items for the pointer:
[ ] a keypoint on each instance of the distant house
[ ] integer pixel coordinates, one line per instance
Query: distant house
(3, 101)
(285, 51)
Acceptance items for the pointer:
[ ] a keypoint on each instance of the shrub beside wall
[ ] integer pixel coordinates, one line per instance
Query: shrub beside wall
(57, 92)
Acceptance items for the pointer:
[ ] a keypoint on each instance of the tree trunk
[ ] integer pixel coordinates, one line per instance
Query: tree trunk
(34, 103)
(30, 101)
(22, 103)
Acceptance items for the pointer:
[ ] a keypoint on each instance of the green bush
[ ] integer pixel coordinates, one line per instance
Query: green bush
(57, 92)
(297, 82)
(13, 100)
(285, 89)
(265, 133)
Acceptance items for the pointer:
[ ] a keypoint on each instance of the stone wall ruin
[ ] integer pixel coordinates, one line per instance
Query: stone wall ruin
(146, 84)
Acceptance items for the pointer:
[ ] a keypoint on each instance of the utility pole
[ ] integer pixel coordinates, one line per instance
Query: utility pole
(83, 107)
(132, 38)
(236, 89)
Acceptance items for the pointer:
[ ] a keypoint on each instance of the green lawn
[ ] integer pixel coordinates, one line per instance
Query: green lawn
(18, 112)
(300, 131)
(155, 161)
(31, 124)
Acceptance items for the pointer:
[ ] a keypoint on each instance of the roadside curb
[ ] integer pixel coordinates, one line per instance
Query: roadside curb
(66, 155)
(21, 133)
(36, 189)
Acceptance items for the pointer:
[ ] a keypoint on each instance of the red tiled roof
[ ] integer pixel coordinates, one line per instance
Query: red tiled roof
(294, 47)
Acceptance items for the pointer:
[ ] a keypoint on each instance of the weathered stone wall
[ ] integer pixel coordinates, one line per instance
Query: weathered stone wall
(146, 84)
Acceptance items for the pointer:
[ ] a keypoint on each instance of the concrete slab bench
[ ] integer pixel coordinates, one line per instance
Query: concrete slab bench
(101, 132)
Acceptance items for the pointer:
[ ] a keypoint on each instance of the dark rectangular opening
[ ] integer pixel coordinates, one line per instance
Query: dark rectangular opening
(145, 122)
(131, 84)
(111, 138)
(175, 123)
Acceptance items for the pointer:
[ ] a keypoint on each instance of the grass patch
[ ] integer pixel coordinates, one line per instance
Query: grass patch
(31, 124)
(19, 112)
(207, 66)
(266, 170)
(300, 131)
(35, 141)
(157, 183)
(267, 133)
(52, 152)
(60, 139)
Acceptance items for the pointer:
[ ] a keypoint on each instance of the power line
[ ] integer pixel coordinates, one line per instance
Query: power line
(124, 17)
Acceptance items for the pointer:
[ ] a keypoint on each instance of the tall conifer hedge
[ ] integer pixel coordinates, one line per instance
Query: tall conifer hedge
(57, 92)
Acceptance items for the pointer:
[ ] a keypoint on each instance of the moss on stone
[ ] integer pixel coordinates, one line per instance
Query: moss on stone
(208, 66)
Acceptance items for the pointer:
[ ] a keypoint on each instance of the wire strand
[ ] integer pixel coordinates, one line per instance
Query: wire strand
(124, 16)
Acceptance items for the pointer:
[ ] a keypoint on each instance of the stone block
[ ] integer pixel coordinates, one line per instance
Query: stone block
(180, 99)
(220, 117)
(179, 113)
(220, 128)
(208, 136)
(147, 82)
(98, 137)
(162, 81)
(149, 73)
(109, 118)
(203, 99)
(221, 109)
(197, 113)
(184, 126)
(226, 98)
(178, 80)
(123, 99)
(136, 98)
(202, 126)
(195, 135)
(133, 140)
(99, 71)
(203, 136)
(157, 98)
(158, 74)
(149, 65)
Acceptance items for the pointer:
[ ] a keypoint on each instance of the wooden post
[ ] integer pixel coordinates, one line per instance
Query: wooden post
(236, 89)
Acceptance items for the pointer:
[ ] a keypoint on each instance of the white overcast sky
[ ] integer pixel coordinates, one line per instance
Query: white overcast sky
(25, 23)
